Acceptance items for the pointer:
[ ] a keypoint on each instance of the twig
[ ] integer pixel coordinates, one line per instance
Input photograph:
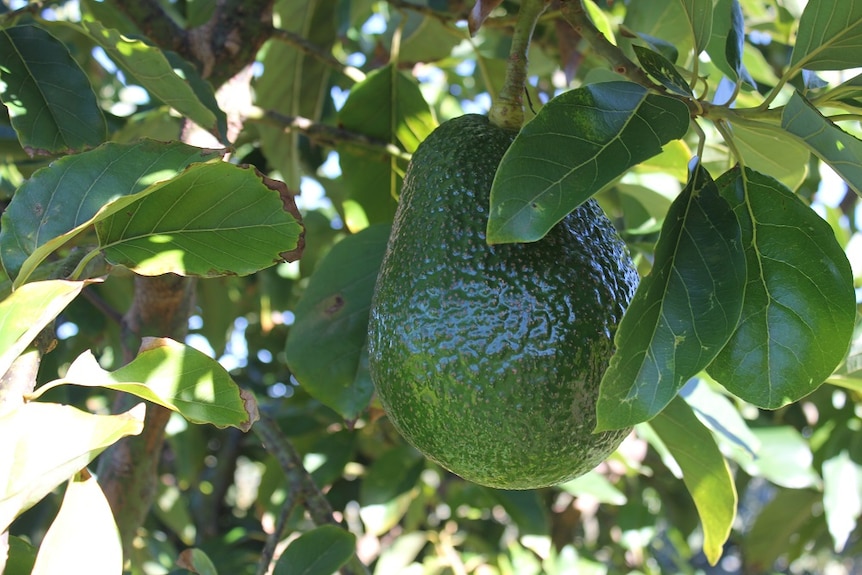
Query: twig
(315, 51)
(323, 133)
(268, 552)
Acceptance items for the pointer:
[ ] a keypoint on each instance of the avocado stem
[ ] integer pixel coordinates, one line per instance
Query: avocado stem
(507, 111)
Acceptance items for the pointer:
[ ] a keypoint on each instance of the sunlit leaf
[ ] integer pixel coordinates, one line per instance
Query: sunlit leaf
(175, 376)
(326, 346)
(580, 141)
(70, 548)
(51, 103)
(720, 415)
(44, 444)
(839, 149)
(829, 36)
(22, 556)
(149, 66)
(61, 200)
(665, 20)
(765, 148)
(682, 314)
(784, 458)
(321, 551)
(842, 497)
(594, 484)
(800, 307)
(28, 311)
(213, 219)
(704, 471)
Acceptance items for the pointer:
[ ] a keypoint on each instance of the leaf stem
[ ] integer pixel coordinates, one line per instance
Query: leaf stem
(507, 111)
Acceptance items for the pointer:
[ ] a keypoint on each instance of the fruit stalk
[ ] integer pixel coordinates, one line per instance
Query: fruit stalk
(507, 110)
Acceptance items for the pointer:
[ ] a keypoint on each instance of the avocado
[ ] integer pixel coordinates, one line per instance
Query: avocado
(488, 358)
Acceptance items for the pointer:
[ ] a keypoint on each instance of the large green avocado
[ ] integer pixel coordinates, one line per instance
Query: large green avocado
(488, 358)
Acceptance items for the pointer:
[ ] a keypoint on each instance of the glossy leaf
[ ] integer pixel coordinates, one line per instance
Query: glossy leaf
(51, 103)
(321, 551)
(295, 82)
(389, 107)
(44, 444)
(704, 472)
(214, 219)
(829, 36)
(326, 346)
(662, 70)
(175, 376)
(68, 547)
(699, 15)
(579, 142)
(842, 497)
(149, 66)
(800, 307)
(63, 199)
(778, 522)
(28, 311)
(841, 150)
(765, 148)
(682, 314)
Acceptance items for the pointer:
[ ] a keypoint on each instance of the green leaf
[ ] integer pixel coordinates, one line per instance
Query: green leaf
(214, 219)
(51, 103)
(295, 82)
(22, 556)
(580, 141)
(829, 36)
(765, 148)
(662, 70)
(175, 376)
(44, 444)
(784, 458)
(321, 551)
(526, 508)
(683, 313)
(842, 151)
(842, 497)
(778, 522)
(69, 548)
(152, 70)
(727, 44)
(389, 107)
(800, 307)
(720, 415)
(28, 311)
(61, 200)
(394, 473)
(196, 561)
(699, 16)
(595, 485)
(326, 345)
(662, 19)
(704, 472)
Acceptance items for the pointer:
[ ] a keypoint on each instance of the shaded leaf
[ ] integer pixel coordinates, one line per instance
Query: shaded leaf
(727, 42)
(394, 473)
(326, 346)
(51, 104)
(580, 141)
(61, 200)
(44, 444)
(481, 10)
(28, 311)
(321, 551)
(704, 472)
(800, 307)
(175, 376)
(777, 523)
(526, 508)
(699, 16)
(70, 548)
(682, 313)
(214, 219)
(661, 20)
(21, 557)
(295, 82)
(829, 36)
(662, 70)
(149, 66)
(389, 107)
(842, 151)
(842, 497)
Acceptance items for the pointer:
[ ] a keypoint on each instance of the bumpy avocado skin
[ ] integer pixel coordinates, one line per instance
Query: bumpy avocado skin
(488, 358)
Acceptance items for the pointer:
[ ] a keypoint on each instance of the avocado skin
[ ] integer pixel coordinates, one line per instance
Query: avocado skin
(488, 359)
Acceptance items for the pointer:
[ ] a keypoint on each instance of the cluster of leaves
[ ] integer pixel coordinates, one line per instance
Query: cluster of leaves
(747, 304)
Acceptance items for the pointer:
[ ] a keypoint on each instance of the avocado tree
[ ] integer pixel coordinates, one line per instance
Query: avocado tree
(196, 200)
